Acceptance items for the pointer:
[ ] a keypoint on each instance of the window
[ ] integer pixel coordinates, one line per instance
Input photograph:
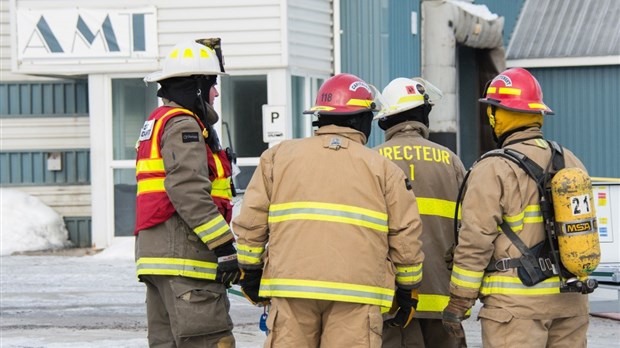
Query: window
(242, 100)
(304, 91)
(132, 103)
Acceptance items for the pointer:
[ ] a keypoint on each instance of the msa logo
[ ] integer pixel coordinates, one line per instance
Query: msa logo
(578, 227)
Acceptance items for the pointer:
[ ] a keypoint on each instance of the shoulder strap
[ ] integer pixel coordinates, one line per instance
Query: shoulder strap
(538, 174)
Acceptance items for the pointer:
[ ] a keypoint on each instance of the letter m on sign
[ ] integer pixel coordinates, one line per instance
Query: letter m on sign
(106, 28)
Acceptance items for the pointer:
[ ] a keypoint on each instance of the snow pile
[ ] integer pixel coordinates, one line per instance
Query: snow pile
(27, 224)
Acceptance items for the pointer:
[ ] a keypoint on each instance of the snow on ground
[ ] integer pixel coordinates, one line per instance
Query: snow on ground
(28, 224)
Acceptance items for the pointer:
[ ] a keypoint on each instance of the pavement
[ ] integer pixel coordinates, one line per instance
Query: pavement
(72, 301)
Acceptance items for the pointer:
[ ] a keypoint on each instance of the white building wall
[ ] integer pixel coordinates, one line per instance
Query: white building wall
(310, 35)
(28, 134)
(270, 37)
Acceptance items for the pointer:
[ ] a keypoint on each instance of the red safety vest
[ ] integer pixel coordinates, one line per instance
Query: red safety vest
(152, 204)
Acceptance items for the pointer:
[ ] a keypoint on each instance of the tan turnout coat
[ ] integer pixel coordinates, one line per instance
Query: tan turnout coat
(328, 218)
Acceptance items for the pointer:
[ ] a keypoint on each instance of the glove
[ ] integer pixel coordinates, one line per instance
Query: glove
(407, 301)
(227, 266)
(250, 284)
(454, 314)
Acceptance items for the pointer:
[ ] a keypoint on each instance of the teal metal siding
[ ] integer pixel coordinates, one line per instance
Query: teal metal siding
(23, 168)
(377, 44)
(510, 10)
(587, 113)
(44, 99)
(79, 229)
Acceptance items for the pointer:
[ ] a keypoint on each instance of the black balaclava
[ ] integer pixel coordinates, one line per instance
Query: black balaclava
(361, 122)
(192, 93)
(419, 114)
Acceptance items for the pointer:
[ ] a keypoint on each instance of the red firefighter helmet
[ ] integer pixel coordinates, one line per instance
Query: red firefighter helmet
(344, 94)
(516, 89)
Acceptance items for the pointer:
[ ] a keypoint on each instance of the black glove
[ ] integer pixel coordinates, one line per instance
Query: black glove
(407, 302)
(250, 284)
(454, 314)
(227, 266)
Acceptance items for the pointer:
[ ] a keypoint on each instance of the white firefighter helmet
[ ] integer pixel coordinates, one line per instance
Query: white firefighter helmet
(403, 94)
(186, 59)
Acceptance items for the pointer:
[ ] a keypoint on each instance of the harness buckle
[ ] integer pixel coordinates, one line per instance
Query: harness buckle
(502, 265)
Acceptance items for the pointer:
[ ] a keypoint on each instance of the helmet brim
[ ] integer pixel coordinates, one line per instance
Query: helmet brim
(159, 75)
(498, 104)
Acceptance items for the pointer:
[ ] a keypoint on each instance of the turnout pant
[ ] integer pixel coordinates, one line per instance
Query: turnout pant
(186, 313)
(305, 323)
(500, 329)
(420, 333)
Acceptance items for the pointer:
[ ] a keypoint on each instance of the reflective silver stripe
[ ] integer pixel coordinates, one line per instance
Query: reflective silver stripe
(173, 266)
(212, 229)
(323, 293)
(306, 213)
(507, 285)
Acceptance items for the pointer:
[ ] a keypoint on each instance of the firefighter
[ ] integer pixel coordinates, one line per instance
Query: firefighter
(184, 246)
(329, 230)
(500, 194)
(436, 174)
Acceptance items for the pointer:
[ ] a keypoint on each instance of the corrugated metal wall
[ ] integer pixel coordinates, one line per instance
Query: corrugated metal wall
(38, 118)
(587, 120)
(44, 99)
(510, 10)
(19, 168)
(377, 43)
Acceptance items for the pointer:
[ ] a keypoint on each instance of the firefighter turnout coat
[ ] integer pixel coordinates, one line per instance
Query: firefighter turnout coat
(340, 222)
(178, 223)
(436, 174)
(498, 190)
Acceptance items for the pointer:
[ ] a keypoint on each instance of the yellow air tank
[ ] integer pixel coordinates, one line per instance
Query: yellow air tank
(573, 204)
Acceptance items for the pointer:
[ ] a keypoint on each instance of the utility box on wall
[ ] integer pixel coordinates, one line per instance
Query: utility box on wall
(54, 161)
(607, 205)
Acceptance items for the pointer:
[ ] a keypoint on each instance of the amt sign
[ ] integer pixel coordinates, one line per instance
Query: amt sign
(86, 33)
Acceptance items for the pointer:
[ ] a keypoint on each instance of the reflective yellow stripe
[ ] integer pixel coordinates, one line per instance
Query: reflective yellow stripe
(321, 108)
(323, 290)
(513, 286)
(359, 102)
(409, 274)
(410, 98)
(158, 125)
(249, 255)
(221, 188)
(537, 106)
(218, 166)
(504, 90)
(151, 185)
(541, 143)
(212, 230)
(510, 91)
(530, 215)
(432, 303)
(150, 166)
(328, 212)
(176, 267)
(436, 207)
(465, 278)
